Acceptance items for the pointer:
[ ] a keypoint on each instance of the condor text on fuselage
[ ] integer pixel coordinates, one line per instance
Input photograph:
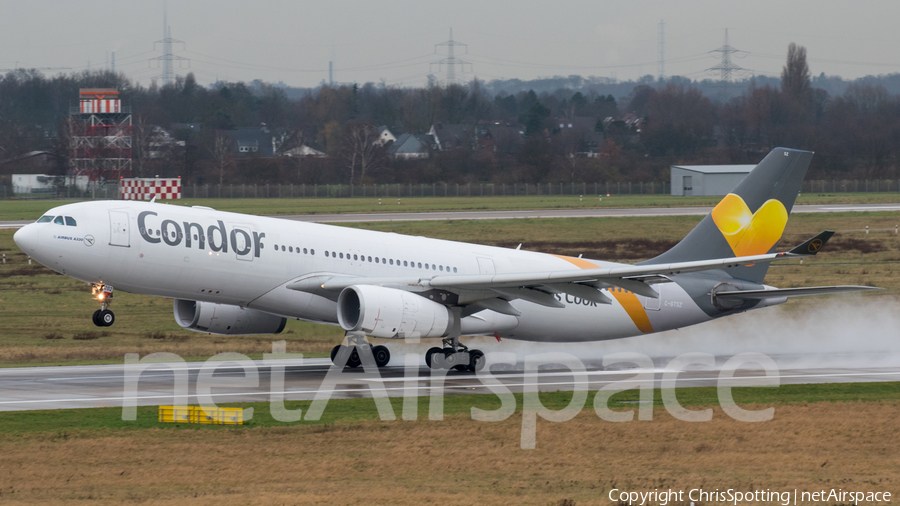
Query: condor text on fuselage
(242, 240)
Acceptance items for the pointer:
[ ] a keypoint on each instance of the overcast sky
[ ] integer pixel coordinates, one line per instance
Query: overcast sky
(293, 41)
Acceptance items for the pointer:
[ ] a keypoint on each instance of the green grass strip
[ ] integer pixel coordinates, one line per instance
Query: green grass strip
(106, 420)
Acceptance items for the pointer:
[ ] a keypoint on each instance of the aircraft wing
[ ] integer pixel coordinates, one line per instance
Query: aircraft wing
(538, 287)
(512, 280)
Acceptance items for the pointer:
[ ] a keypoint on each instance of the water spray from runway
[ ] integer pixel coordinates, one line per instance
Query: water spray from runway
(855, 333)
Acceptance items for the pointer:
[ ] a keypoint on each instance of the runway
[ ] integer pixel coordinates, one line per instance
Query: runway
(541, 213)
(33, 388)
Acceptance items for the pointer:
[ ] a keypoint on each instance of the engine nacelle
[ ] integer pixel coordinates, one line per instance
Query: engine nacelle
(225, 319)
(388, 312)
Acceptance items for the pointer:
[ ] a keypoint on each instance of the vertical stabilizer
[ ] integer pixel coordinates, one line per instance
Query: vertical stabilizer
(751, 219)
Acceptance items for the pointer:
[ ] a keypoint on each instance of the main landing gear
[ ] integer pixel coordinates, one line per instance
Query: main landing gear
(455, 356)
(339, 354)
(103, 317)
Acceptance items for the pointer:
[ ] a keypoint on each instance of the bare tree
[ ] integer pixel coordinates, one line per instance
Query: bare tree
(142, 140)
(221, 152)
(795, 74)
(360, 150)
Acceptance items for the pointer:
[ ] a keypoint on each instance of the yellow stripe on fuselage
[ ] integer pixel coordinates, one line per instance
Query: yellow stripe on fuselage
(629, 301)
(632, 305)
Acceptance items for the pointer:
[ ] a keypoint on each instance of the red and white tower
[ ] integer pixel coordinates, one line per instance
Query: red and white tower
(100, 136)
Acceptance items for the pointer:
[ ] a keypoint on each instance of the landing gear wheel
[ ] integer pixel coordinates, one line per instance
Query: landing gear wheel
(354, 360)
(429, 357)
(106, 318)
(334, 352)
(382, 355)
(452, 359)
(96, 318)
(346, 355)
(476, 360)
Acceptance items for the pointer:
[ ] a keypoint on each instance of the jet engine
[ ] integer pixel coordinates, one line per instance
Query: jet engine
(388, 312)
(225, 319)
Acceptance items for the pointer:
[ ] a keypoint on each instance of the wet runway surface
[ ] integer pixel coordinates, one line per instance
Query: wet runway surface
(30, 388)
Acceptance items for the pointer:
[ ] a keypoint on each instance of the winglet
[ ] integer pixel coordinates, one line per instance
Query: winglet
(812, 246)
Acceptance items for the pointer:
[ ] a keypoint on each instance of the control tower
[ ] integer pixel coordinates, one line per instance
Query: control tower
(100, 136)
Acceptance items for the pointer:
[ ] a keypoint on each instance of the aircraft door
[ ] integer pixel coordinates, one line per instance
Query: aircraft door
(242, 241)
(118, 229)
(485, 266)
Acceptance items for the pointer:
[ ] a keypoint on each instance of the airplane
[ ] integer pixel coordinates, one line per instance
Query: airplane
(230, 273)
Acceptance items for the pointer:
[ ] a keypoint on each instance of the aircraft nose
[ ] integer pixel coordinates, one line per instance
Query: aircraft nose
(26, 238)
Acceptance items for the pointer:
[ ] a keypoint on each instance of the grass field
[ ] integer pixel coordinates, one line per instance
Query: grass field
(33, 209)
(821, 436)
(45, 317)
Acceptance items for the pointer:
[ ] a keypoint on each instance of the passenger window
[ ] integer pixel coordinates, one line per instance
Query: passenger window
(441, 268)
(355, 257)
(370, 259)
(341, 255)
(376, 260)
(426, 266)
(290, 249)
(420, 265)
(404, 263)
(454, 269)
(304, 252)
(59, 220)
(45, 219)
(392, 261)
(70, 221)
(312, 252)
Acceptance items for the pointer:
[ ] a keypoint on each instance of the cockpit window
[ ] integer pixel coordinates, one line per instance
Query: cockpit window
(45, 219)
(70, 221)
(59, 220)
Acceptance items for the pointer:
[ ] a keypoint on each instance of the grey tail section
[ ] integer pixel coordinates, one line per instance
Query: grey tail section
(778, 176)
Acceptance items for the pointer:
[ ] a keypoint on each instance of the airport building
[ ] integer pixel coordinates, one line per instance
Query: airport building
(688, 180)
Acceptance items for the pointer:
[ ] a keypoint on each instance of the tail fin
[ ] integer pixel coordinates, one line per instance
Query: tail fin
(751, 219)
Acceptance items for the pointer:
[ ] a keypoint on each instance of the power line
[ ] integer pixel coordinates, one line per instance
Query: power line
(168, 74)
(661, 67)
(451, 61)
(726, 67)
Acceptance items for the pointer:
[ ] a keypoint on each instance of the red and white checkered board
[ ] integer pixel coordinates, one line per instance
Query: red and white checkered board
(146, 189)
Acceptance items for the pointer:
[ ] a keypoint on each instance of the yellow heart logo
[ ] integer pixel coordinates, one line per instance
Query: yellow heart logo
(750, 233)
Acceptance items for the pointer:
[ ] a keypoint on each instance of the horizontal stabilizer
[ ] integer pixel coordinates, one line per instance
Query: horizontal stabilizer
(790, 292)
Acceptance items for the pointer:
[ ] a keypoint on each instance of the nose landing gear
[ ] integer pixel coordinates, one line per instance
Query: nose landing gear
(102, 293)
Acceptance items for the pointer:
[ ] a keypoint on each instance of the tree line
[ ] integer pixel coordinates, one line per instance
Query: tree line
(635, 137)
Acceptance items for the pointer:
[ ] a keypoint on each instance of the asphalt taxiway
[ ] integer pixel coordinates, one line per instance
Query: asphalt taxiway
(541, 213)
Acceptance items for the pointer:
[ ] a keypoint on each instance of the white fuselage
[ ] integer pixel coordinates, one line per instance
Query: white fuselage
(201, 254)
